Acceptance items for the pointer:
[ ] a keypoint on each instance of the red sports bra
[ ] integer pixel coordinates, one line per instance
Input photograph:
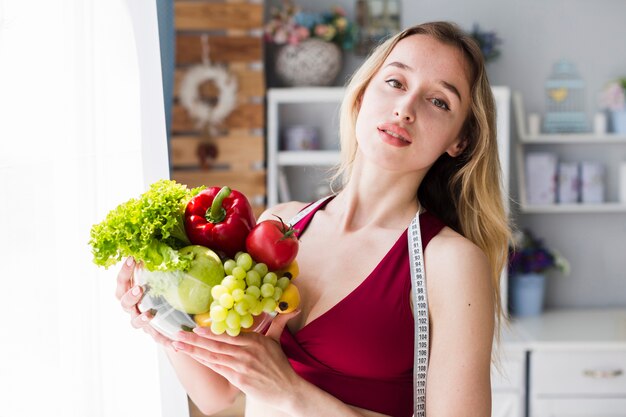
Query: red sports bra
(361, 350)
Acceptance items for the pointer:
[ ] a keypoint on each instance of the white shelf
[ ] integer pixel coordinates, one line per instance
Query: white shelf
(575, 138)
(307, 158)
(306, 94)
(575, 208)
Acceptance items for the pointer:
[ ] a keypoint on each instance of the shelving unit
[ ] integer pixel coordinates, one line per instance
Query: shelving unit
(299, 165)
(525, 140)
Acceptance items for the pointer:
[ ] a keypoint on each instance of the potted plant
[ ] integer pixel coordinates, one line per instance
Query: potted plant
(613, 99)
(529, 261)
(310, 43)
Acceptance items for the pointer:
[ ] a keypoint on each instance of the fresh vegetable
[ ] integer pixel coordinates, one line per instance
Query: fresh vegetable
(291, 271)
(150, 229)
(289, 301)
(274, 243)
(219, 219)
(192, 293)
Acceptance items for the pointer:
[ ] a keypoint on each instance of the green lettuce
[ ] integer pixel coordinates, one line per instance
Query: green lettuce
(151, 229)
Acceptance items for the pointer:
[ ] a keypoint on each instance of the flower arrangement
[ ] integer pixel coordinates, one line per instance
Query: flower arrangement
(613, 97)
(487, 41)
(530, 255)
(291, 25)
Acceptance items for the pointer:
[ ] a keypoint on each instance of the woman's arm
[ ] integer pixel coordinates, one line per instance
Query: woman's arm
(461, 303)
(257, 366)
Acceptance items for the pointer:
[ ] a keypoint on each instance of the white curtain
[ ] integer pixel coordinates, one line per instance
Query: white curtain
(77, 137)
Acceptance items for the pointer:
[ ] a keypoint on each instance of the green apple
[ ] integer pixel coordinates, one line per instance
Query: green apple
(192, 295)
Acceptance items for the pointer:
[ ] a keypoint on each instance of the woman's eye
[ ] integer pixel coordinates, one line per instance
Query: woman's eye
(394, 83)
(440, 103)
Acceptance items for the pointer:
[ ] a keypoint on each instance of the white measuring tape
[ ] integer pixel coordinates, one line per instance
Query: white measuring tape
(420, 307)
(420, 315)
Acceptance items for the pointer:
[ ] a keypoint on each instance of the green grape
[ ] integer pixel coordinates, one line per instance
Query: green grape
(245, 261)
(253, 278)
(247, 321)
(218, 313)
(217, 291)
(257, 308)
(278, 292)
(270, 278)
(238, 294)
(250, 299)
(254, 291)
(218, 327)
(233, 331)
(261, 269)
(238, 254)
(226, 300)
(267, 290)
(214, 303)
(233, 319)
(242, 307)
(229, 264)
(239, 272)
(283, 283)
(230, 282)
(269, 305)
(241, 284)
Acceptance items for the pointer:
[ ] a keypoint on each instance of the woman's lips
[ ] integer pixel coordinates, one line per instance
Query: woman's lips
(394, 134)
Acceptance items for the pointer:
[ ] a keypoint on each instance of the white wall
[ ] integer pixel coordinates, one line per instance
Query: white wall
(536, 33)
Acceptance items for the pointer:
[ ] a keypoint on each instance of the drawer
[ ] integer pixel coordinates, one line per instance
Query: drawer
(578, 373)
(576, 407)
(510, 374)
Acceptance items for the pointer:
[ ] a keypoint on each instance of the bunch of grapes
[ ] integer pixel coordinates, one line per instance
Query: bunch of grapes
(248, 290)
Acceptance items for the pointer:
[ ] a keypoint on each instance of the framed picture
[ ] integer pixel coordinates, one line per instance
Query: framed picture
(377, 20)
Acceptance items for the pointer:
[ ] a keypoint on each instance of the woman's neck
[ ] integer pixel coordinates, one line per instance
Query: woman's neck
(376, 197)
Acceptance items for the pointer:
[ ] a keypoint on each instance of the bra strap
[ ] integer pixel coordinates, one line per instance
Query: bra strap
(307, 210)
(420, 315)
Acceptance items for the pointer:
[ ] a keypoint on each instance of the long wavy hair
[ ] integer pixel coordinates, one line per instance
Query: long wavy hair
(464, 191)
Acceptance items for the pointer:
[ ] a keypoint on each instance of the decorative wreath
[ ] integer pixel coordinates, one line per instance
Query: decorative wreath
(204, 114)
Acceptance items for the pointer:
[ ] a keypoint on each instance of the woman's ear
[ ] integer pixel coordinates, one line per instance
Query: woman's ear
(457, 147)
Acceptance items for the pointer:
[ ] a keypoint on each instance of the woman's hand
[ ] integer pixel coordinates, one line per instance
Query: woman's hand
(129, 296)
(252, 362)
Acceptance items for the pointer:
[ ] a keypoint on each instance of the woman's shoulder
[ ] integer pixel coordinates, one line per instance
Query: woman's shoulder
(454, 261)
(283, 210)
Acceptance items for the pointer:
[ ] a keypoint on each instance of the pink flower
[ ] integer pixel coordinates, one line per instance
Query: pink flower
(613, 97)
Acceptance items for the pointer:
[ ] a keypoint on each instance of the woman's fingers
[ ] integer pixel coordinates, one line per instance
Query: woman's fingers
(130, 299)
(125, 278)
(279, 323)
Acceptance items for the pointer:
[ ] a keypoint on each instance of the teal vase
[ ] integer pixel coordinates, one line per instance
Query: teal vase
(527, 294)
(618, 122)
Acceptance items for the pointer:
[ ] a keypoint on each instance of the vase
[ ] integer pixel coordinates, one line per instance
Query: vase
(312, 62)
(527, 293)
(618, 122)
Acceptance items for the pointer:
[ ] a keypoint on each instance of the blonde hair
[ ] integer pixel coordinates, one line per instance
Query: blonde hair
(465, 191)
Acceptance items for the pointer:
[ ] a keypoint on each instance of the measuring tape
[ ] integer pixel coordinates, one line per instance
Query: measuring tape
(302, 214)
(420, 315)
(420, 307)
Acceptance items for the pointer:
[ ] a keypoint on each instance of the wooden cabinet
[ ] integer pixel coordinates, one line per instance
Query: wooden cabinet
(508, 384)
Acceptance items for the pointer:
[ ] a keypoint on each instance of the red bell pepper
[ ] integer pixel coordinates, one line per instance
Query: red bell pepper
(219, 219)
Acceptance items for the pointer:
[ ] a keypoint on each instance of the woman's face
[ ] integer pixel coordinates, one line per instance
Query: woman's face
(414, 107)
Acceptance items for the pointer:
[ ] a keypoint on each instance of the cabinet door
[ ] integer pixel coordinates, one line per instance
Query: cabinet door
(585, 407)
(506, 404)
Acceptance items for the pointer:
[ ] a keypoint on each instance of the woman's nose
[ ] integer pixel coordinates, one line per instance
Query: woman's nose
(405, 112)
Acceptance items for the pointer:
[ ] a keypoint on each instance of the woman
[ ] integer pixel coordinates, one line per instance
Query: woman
(417, 133)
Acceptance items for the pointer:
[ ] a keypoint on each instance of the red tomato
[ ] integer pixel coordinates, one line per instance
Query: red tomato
(274, 243)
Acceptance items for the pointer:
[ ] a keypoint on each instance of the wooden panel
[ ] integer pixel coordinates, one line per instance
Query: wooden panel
(248, 116)
(221, 49)
(250, 83)
(243, 153)
(211, 16)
